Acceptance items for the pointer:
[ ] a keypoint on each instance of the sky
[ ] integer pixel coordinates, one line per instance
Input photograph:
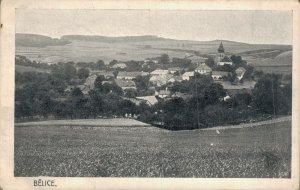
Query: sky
(256, 27)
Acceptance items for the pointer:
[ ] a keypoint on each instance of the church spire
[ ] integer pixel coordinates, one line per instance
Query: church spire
(221, 48)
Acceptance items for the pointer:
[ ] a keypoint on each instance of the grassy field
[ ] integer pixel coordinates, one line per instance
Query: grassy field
(263, 151)
(87, 51)
(22, 69)
(120, 122)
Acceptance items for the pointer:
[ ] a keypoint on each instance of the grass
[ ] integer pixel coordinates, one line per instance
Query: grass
(120, 122)
(263, 151)
(88, 51)
(22, 69)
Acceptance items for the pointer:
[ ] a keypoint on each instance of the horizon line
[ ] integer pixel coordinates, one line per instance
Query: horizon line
(167, 38)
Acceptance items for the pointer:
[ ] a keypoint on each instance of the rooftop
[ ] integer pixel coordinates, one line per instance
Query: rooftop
(125, 83)
(221, 73)
(203, 66)
(226, 59)
(132, 74)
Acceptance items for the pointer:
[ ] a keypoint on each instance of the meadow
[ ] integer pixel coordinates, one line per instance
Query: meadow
(263, 151)
(92, 51)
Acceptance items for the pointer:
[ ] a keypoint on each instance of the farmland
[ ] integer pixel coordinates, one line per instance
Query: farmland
(81, 48)
(262, 151)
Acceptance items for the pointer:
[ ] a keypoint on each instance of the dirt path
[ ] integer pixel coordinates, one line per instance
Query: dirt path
(277, 120)
(115, 122)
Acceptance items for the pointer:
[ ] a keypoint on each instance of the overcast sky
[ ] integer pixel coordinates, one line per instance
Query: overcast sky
(263, 27)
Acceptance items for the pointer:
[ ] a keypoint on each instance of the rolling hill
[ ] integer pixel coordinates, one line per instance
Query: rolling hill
(81, 48)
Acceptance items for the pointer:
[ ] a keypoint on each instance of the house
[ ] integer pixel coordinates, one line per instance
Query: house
(149, 100)
(173, 70)
(84, 89)
(151, 60)
(163, 93)
(131, 75)
(70, 88)
(119, 66)
(188, 75)
(218, 75)
(222, 59)
(158, 72)
(125, 84)
(203, 69)
(175, 79)
(225, 61)
(240, 72)
(159, 80)
(106, 74)
(90, 81)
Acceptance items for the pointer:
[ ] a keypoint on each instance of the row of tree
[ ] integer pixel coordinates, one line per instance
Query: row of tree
(207, 106)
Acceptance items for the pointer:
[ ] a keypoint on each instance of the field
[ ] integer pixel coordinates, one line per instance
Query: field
(22, 69)
(120, 122)
(140, 49)
(262, 151)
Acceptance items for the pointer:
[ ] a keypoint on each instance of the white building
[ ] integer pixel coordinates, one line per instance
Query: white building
(222, 59)
(218, 75)
(187, 75)
(203, 69)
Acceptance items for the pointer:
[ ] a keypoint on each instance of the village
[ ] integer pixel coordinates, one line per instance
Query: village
(150, 92)
(161, 80)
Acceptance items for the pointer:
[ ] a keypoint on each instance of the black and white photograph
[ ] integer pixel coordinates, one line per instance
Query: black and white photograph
(138, 93)
(151, 94)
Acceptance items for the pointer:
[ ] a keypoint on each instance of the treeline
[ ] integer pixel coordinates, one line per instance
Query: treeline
(207, 106)
(35, 40)
(206, 103)
(43, 95)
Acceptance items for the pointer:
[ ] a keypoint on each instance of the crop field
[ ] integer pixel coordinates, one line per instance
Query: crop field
(285, 69)
(90, 51)
(263, 151)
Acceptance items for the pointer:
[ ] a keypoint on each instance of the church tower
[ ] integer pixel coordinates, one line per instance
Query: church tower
(221, 52)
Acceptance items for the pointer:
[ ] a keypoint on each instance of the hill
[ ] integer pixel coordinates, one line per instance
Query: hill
(82, 48)
(35, 40)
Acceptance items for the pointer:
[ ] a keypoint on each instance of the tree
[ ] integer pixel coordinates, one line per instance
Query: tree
(83, 73)
(76, 93)
(130, 93)
(210, 62)
(113, 62)
(266, 94)
(142, 82)
(214, 115)
(98, 82)
(213, 93)
(112, 88)
(97, 102)
(64, 71)
(126, 106)
(100, 64)
(164, 59)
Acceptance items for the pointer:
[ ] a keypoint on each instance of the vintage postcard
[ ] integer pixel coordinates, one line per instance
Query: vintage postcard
(149, 95)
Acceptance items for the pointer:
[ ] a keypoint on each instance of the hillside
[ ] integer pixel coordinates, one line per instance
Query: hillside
(92, 48)
(34, 40)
